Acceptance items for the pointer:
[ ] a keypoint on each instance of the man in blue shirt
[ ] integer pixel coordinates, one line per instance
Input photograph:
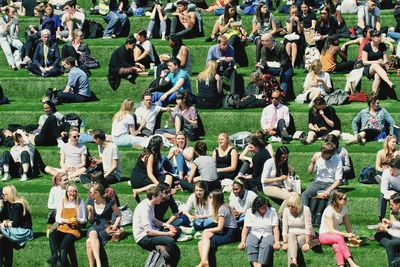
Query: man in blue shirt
(77, 88)
(180, 83)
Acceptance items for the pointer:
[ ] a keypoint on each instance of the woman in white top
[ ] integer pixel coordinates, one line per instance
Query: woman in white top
(260, 234)
(144, 50)
(59, 183)
(181, 154)
(386, 154)
(123, 131)
(329, 232)
(297, 230)
(317, 82)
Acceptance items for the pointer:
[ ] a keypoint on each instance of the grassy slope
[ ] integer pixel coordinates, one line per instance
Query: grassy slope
(26, 90)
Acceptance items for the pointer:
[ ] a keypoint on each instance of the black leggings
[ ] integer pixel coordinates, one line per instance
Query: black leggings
(30, 45)
(62, 245)
(16, 167)
(344, 67)
(6, 252)
(49, 133)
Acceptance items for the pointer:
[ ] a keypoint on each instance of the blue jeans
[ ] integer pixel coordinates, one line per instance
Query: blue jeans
(181, 164)
(394, 35)
(285, 76)
(240, 220)
(155, 98)
(115, 22)
(201, 224)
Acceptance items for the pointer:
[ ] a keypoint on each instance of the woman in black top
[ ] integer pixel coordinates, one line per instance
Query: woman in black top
(375, 59)
(226, 157)
(308, 17)
(326, 26)
(294, 25)
(16, 224)
(322, 120)
(76, 49)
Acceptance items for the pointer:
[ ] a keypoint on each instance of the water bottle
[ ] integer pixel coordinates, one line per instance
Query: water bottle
(83, 127)
(166, 124)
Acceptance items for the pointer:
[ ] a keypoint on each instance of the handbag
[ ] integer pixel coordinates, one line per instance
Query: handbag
(309, 36)
(358, 97)
(17, 235)
(155, 259)
(116, 235)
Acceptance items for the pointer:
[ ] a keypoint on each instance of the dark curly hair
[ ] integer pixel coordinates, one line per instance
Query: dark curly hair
(258, 203)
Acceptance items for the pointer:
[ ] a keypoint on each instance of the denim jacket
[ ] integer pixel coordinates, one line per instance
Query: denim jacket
(360, 121)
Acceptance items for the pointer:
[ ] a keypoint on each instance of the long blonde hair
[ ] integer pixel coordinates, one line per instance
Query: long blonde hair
(388, 154)
(126, 108)
(15, 197)
(208, 74)
(313, 69)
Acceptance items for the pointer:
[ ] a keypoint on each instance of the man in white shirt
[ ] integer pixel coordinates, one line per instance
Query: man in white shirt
(240, 200)
(72, 19)
(275, 118)
(390, 185)
(368, 15)
(146, 228)
(109, 158)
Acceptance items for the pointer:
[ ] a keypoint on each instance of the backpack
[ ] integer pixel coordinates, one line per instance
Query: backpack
(229, 99)
(88, 61)
(269, 84)
(240, 139)
(194, 132)
(92, 29)
(155, 259)
(367, 175)
(74, 120)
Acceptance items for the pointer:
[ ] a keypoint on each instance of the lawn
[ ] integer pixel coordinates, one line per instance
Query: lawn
(25, 92)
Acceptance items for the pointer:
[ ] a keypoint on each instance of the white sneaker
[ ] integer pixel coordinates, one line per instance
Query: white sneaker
(184, 238)
(6, 177)
(187, 230)
(24, 178)
(198, 235)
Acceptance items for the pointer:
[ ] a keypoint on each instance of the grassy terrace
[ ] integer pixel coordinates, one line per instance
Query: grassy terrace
(25, 92)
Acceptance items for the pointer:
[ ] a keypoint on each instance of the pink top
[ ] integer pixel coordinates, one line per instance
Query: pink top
(364, 41)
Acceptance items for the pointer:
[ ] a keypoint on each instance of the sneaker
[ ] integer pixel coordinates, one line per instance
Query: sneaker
(184, 238)
(113, 36)
(187, 230)
(6, 177)
(303, 141)
(24, 178)
(107, 37)
(198, 235)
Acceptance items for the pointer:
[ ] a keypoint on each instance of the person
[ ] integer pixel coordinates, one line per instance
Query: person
(240, 200)
(322, 120)
(297, 230)
(309, 22)
(144, 50)
(183, 22)
(59, 184)
(109, 158)
(9, 27)
(275, 176)
(275, 52)
(180, 83)
(260, 234)
(343, 154)
(179, 51)
(122, 64)
(205, 166)
(150, 232)
(371, 122)
(182, 154)
(225, 22)
(263, 22)
(329, 232)
(327, 25)
(157, 26)
(78, 87)
(294, 26)
(224, 54)
(329, 54)
(374, 60)
(361, 41)
(387, 232)
(317, 82)
(46, 60)
(328, 171)
(100, 212)
(275, 118)
(71, 214)
(209, 86)
(368, 15)
(18, 162)
(72, 19)
(201, 203)
(58, 6)
(77, 50)
(386, 154)
(168, 203)
(124, 129)
(389, 185)
(16, 224)
(226, 157)
(221, 234)
(146, 172)
(117, 21)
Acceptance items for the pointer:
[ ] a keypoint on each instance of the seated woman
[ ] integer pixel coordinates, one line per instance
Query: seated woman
(343, 154)
(375, 59)
(223, 233)
(329, 54)
(147, 172)
(18, 162)
(203, 165)
(46, 60)
(100, 213)
(144, 50)
(329, 232)
(297, 230)
(15, 217)
(77, 50)
(181, 155)
(226, 157)
(361, 41)
(71, 213)
(294, 26)
(309, 22)
(386, 154)
(371, 122)
(201, 203)
(218, 4)
(181, 52)
(327, 25)
(59, 183)
(275, 176)
(260, 234)
(124, 128)
(240, 200)
(209, 87)
(317, 83)
(157, 26)
(322, 120)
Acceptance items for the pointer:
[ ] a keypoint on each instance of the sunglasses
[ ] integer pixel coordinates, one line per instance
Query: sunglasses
(343, 198)
(276, 98)
(75, 136)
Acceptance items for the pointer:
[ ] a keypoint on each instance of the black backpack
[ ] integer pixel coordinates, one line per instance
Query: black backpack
(92, 29)
(367, 175)
(74, 120)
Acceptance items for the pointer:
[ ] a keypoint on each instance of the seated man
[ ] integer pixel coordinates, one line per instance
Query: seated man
(276, 61)
(72, 20)
(368, 15)
(179, 80)
(224, 54)
(147, 114)
(168, 202)
(115, 18)
(240, 200)
(122, 64)
(77, 88)
(183, 23)
(275, 118)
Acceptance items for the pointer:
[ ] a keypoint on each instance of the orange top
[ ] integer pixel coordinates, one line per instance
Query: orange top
(328, 62)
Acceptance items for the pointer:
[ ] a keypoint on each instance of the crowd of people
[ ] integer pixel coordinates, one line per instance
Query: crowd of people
(255, 176)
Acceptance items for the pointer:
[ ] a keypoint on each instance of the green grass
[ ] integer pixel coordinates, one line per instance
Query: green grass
(25, 91)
